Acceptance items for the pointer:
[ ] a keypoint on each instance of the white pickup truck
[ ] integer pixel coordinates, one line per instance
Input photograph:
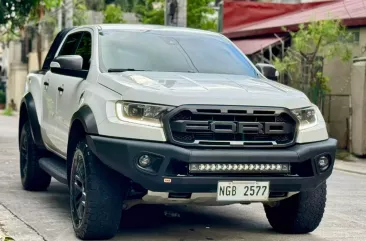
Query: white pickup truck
(139, 114)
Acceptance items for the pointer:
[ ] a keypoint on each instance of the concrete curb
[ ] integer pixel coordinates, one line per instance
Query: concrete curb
(349, 171)
(14, 228)
(350, 167)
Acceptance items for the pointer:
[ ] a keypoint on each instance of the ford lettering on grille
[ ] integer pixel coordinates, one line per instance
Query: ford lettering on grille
(231, 127)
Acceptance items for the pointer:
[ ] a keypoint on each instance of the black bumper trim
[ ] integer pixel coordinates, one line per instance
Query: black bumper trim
(121, 155)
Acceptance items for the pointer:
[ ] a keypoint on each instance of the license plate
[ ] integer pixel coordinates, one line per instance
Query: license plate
(242, 191)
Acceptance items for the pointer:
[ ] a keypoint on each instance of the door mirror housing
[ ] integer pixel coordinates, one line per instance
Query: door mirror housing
(268, 70)
(67, 62)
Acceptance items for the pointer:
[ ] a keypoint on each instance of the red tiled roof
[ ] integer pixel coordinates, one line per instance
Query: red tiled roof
(251, 46)
(351, 12)
(238, 13)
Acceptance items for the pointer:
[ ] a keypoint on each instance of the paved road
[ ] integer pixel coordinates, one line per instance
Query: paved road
(44, 216)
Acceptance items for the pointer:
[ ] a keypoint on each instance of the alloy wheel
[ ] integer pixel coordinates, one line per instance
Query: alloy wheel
(23, 156)
(78, 193)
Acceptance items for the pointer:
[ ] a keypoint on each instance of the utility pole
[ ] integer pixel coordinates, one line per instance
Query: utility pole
(182, 13)
(69, 12)
(176, 13)
(220, 25)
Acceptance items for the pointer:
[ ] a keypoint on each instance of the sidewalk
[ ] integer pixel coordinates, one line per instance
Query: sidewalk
(3, 236)
(358, 167)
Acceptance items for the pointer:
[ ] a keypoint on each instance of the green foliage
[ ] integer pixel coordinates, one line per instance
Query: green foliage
(113, 14)
(38, 10)
(2, 97)
(8, 33)
(126, 5)
(15, 12)
(322, 38)
(96, 5)
(79, 17)
(2, 13)
(49, 4)
(197, 12)
(8, 112)
(147, 14)
(312, 44)
(6, 238)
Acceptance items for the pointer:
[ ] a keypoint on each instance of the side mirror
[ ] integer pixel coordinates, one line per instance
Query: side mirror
(268, 70)
(69, 62)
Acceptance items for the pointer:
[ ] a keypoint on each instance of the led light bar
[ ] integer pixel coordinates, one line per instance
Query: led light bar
(238, 168)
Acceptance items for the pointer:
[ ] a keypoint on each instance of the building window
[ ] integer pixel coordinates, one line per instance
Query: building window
(355, 37)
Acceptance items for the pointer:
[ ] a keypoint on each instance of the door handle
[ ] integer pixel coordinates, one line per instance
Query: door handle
(60, 89)
(46, 84)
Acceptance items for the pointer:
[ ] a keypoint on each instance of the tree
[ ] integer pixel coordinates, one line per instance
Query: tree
(38, 14)
(148, 14)
(79, 17)
(311, 45)
(113, 14)
(198, 12)
(126, 5)
(15, 11)
(7, 34)
(96, 5)
(13, 15)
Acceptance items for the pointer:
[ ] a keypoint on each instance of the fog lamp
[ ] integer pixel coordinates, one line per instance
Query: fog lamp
(323, 163)
(144, 161)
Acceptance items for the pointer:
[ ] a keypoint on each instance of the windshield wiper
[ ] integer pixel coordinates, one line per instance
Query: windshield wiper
(123, 70)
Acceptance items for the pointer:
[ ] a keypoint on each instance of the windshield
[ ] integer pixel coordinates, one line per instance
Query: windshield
(166, 51)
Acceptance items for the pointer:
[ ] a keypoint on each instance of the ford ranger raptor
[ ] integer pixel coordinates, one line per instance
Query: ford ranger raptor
(129, 115)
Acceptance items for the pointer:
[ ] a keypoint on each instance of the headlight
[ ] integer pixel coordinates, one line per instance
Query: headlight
(144, 114)
(307, 117)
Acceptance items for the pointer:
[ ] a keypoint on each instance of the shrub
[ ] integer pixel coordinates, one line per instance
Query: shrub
(2, 97)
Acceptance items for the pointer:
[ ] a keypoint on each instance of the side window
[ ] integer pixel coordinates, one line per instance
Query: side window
(84, 49)
(70, 44)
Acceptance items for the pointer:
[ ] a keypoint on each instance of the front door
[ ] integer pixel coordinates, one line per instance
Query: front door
(70, 89)
(48, 123)
(56, 81)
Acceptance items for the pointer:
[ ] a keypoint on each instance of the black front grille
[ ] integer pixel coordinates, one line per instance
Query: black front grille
(230, 126)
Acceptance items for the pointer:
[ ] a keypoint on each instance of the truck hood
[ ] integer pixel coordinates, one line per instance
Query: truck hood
(176, 89)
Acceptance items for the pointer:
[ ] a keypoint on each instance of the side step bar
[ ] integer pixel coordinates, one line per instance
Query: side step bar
(56, 167)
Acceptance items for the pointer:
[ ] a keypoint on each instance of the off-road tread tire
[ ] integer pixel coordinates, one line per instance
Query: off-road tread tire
(299, 214)
(35, 178)
(105, 192)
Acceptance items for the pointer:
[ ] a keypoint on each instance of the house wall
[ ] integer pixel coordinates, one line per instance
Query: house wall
(336, 106)
(17, 74)
(358, 95)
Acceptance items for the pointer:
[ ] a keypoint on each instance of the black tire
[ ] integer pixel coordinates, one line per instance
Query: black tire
(32, 176)
(299, 214)
(96, 196)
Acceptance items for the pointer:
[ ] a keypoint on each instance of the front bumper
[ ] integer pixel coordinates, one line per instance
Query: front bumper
(171, 172)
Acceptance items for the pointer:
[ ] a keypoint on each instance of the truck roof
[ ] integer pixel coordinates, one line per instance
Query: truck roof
(147, 27)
